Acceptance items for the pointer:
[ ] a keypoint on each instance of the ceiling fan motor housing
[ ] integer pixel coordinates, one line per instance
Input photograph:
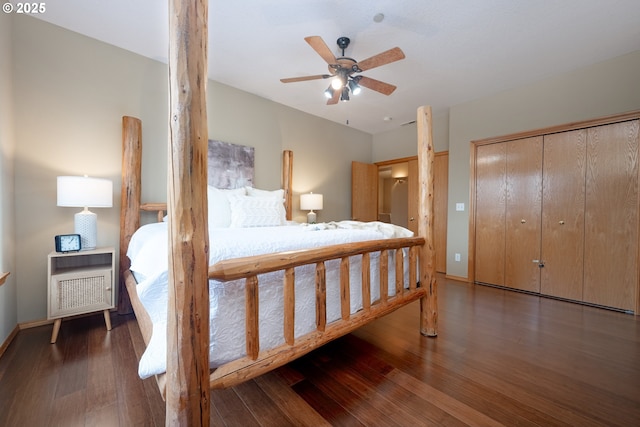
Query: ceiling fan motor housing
(343, 43)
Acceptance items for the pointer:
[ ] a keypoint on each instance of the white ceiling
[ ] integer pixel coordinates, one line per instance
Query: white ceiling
(456, 50)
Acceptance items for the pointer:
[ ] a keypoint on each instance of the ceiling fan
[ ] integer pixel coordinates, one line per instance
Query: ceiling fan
(342, 70)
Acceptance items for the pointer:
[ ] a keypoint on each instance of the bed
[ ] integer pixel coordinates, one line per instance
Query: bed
(327, 280)
(359, 273)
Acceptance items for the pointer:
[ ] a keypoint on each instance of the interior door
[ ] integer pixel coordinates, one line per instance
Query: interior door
(441, 187)
(490, 213)
(611, 215)
(440, 200)
(412, 199)
(563, 198)
(364, 191)
(523, 212)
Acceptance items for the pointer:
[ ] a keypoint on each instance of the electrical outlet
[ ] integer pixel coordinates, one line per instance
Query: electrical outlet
(460, 208)
(457, 257)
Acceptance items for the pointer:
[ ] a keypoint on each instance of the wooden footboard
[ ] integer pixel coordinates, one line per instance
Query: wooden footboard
(258, 362)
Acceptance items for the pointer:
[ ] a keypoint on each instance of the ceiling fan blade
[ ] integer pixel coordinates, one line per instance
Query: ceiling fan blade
(377, 85)
(334, 99)
(305, 78)
(383, 58)
(321, 48)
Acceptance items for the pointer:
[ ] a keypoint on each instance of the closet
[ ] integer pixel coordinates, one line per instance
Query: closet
(556, 212)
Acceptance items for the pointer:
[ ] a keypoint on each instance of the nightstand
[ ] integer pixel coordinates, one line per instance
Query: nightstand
(79, 283)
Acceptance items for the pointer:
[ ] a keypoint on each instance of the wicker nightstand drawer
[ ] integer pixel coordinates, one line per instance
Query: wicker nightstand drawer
(80, 292)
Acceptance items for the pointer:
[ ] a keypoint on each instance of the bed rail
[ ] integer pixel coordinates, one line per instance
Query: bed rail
(258, 362)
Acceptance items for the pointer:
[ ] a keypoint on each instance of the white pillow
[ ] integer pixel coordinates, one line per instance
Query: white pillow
(218, 205)
(148, 248)
(274, 194)
(256, 211)
(256, 192)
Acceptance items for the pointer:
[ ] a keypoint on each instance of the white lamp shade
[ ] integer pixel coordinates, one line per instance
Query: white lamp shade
(311, 202)
(83, 191)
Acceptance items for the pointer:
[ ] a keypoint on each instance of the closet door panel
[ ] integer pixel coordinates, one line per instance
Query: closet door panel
(611, 215)
(563, 214)
(523, 213)
(490, 213)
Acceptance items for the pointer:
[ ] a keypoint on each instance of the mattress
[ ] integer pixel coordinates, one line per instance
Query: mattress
(149, 264)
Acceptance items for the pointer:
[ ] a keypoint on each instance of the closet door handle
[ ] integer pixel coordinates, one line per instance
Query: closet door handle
(522, 221)
(411, 219)
(561, 222)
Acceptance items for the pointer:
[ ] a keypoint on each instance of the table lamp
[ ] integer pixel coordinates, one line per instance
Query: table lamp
(85, 192)
(309, 202)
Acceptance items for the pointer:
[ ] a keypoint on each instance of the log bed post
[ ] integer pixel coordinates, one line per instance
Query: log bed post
(188, 395)
(129, 199)
(426, 155)
(287, 181)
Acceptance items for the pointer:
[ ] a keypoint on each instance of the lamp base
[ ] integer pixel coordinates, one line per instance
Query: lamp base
(86, 225)
(311, 217)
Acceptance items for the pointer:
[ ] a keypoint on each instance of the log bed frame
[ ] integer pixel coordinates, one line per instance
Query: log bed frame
(187, 383)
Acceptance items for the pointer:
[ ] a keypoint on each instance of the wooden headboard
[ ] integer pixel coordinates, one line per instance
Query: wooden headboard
(130, 201)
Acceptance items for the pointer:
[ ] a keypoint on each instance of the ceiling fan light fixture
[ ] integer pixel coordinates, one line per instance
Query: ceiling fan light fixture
(342, 70)
(344, 96)
(329, 92)
(355, 87)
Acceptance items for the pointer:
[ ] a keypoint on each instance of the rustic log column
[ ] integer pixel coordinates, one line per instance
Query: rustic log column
(287, 181)
(188, 402)
(129, 199)
(426, 155)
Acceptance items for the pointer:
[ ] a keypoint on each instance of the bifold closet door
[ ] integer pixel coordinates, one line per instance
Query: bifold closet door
(523, 211)
(490, 213)
(563, 201)
(611, 215)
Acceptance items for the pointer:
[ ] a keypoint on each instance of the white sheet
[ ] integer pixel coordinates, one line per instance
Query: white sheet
(149, 260)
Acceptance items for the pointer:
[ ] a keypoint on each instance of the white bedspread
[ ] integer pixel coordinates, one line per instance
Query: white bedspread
(149, 261)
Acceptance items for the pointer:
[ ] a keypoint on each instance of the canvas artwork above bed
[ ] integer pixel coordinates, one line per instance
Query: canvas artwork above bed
(229, 165)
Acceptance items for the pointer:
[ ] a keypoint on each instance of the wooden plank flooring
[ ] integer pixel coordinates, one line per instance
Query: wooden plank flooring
(500, 359)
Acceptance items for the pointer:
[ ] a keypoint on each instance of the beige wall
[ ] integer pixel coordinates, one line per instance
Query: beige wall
(8, 309)
(403, 142)
(70, 95)
(322, 150)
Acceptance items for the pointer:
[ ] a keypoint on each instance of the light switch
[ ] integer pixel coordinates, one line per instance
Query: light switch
(460, 207)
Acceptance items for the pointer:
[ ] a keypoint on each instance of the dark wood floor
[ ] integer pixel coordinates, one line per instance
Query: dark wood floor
(501, 358)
